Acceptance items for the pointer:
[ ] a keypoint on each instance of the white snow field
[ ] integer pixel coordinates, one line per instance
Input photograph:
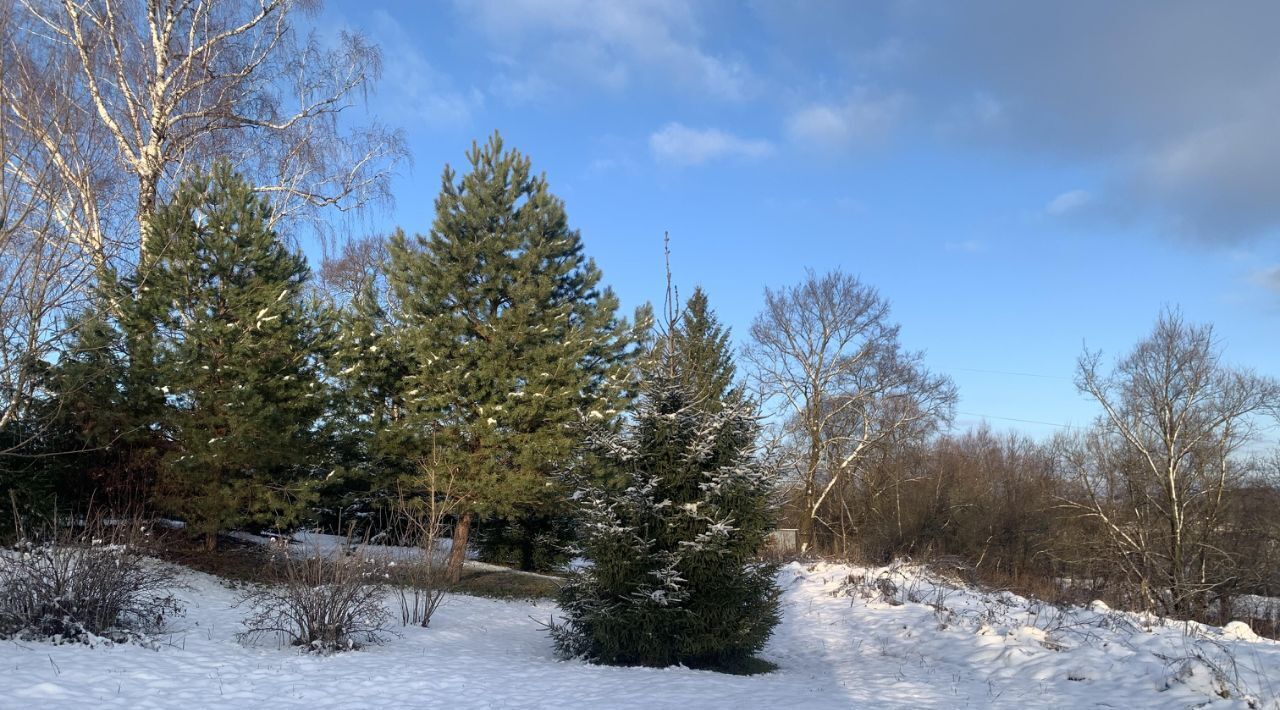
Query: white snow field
(840, 645)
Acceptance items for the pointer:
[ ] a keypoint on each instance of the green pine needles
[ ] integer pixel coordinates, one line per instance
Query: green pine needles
(509, 337)
(217, 326)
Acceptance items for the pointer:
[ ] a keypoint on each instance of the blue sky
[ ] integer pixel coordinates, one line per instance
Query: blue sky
(1017, 179)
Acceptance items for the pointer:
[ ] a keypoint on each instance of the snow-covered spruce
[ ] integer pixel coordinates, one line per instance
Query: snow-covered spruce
(672, 537)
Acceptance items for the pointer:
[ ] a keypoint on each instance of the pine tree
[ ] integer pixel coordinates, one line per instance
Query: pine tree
(100, 437)
(96, 422)
(70, 431)
(673, 542)
(220, 326)
(366, 367)
(510, 338)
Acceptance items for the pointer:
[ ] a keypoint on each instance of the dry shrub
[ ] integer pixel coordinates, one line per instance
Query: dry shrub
(85, 583)
(321, 603)
(423, 581)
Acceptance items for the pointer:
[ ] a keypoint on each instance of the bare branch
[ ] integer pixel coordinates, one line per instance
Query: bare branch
(827, 358)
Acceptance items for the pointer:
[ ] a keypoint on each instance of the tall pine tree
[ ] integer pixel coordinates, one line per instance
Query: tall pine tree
(220, 321)
(510, 337)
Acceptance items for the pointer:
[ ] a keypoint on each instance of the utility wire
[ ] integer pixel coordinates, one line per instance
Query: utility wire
(1012, 419)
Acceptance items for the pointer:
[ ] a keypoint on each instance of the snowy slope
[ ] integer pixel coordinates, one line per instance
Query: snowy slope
(839, 645)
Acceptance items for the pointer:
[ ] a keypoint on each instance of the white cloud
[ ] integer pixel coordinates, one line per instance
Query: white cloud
(607, 44)
(1216, 184)
(520, 88)
(1178, 128)
(1068, 203)
(678, 144)
(860, 121)
(885, 54)
(979, 115)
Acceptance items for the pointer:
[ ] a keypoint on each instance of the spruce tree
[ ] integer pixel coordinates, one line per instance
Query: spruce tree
(219, 319)
(702, 347)
(673, 541)
(510, 339)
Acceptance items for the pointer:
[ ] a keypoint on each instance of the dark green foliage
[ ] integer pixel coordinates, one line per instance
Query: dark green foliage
(100, 415)
(508, 338)
(218, 327)
(28, 485)
(673, 545)
(368, 448)
(533, 542)
(30, 481)
(702, 347)
(86, 441)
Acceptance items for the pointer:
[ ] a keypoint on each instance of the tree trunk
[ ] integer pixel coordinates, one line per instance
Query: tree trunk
(526, 552)
(211, 542)
(148, 189)
(458, 552)
(808, 533)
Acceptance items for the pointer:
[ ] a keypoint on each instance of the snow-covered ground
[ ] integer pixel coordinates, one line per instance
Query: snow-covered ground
(846, 640)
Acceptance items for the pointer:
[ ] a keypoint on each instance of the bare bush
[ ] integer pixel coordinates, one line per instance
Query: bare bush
(321, 603)
(423, 581)
(84, 584)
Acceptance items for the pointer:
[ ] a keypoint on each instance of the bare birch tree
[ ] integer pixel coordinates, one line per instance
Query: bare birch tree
(1159, 471)
(43, 274)
(826, 355)
(123, 96)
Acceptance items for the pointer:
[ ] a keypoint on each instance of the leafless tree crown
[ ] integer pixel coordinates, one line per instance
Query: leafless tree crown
(120, 97)
(826, 356)
(1158, 472)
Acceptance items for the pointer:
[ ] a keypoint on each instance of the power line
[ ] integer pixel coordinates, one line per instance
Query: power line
(1012, 419)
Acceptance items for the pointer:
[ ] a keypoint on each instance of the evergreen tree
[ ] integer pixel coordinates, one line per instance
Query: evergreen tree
(366, 368)
(95, 439)
(97, 423)
(673, 543)
(43, 470)
(701, 346)
(510, 338)
(219, 327)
